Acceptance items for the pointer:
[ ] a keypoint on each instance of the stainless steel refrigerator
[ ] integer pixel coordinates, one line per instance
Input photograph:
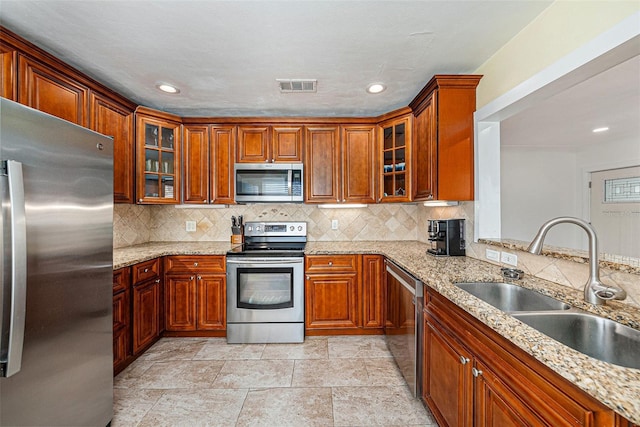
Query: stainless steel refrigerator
(56, 346)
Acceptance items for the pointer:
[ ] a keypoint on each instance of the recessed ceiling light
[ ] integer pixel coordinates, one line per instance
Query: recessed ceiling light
(602, 129)
(167, 88)
(376, 88)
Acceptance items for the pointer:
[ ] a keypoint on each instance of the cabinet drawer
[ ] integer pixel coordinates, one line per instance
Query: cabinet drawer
(331, 263)
(146, 270)
(209, 264)
(120, 280)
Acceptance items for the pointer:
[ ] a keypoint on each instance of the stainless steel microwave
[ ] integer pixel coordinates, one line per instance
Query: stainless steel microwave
(269, 182)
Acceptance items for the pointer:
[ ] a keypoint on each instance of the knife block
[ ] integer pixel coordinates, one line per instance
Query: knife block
(237, 238)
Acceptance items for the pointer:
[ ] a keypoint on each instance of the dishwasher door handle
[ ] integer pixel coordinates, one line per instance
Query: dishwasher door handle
(411, 288)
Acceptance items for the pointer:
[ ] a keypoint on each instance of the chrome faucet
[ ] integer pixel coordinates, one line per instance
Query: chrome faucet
(595, 292)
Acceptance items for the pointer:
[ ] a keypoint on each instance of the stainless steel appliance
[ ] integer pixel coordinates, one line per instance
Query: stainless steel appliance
(446, 237)
(268, 182)
(403, 328)
(265, 284)
(56, 349)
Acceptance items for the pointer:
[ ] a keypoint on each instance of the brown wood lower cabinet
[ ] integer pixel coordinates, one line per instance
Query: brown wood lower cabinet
(121, 319)
(338, 290)
(474, 377)
(146, 314)
(195, 294)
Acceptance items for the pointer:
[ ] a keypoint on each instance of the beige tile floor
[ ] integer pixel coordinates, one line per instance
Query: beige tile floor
(326, 381)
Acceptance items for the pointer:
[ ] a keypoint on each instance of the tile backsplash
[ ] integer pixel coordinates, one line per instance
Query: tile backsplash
(562, 271)
(140, 224)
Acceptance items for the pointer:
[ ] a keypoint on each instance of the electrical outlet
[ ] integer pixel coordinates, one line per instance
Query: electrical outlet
(334, 224)
(510, 259)
(191, 226)
(492, 255)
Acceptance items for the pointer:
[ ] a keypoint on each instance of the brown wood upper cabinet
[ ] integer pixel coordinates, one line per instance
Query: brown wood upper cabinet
(45, 89)
(158, 157)
(443, 138)
(395, 146)
(209, 155)
(340, 164)
(269, 144)
(113, 119)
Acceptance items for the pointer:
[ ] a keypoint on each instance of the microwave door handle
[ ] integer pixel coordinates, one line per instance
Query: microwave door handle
(18, 263)
(289, 178)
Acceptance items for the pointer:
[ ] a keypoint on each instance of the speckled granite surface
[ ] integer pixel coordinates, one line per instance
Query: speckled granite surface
(123, 257)
(616, 387)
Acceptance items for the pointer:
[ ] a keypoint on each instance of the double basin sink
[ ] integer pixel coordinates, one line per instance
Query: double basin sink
(595, 336)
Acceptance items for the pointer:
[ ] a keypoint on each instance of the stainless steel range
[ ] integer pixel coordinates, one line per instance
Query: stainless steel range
(265, 284)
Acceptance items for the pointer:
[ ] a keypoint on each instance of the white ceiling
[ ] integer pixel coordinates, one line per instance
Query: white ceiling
(566, 120)
(225, 56)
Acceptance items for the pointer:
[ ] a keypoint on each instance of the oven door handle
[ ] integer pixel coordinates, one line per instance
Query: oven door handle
(263, 261)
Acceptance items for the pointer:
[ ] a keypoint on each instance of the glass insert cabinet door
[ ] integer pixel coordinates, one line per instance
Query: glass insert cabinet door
(158, 170)
(395, 160)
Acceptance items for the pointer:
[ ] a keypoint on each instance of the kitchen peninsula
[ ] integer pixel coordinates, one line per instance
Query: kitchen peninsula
(615, 387)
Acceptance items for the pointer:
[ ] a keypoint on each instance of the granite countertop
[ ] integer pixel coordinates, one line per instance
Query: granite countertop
(616, 387)
(124, 257)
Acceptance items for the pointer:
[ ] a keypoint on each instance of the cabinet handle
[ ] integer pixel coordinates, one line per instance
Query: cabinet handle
(199, 277)
(344, 200)
(191, 278)
(476, 372)
(330, 263)
(195, 264)
(157, 280)
(139, 200)
(267, 160)
(308, 277)
(464, 360)
(146, 270)
(204, 201)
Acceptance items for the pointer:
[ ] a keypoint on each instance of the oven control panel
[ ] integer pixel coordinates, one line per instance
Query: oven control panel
(275, 229)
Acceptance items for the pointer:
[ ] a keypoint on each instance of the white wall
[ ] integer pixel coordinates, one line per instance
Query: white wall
(538, 184)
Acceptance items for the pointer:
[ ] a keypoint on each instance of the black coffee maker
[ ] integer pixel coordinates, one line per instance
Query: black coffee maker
(446, 237)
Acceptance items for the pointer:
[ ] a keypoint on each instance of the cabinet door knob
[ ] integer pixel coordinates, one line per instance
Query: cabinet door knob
(146, 270)
(344, 200)
(476, 372)
(195, 264)
(330, 262)
(199, 277)
(139, 200)
(464, 360)
(191, 278)
(157, 280)
(308, 277)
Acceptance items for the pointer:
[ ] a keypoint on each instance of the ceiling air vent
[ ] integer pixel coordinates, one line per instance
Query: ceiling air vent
(297, 85)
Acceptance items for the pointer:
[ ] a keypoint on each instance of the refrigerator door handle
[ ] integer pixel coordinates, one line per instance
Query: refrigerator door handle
(13, 361)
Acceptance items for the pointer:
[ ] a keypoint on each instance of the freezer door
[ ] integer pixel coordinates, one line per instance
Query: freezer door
(66, 376)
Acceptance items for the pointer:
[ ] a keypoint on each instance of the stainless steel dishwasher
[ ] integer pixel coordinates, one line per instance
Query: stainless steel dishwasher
(403, 328)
